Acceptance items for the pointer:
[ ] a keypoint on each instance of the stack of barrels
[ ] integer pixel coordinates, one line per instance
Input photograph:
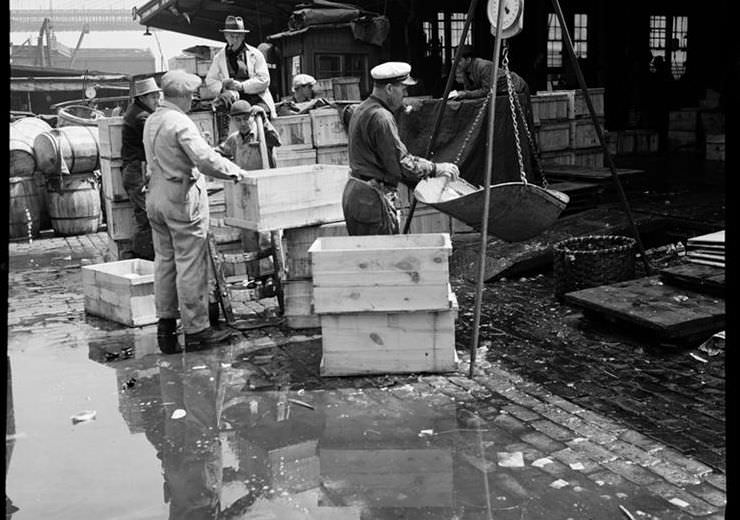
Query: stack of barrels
(54, 178)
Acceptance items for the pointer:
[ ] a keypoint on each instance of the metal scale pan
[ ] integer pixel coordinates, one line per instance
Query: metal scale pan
(518, 211)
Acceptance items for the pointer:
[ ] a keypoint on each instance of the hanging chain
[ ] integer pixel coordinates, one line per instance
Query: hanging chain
(469, 134)
(510, 89)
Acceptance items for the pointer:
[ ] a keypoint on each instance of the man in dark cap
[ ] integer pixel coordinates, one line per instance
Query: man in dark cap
(238, 71)
(476, 75)
(378, 159)
(146, 98)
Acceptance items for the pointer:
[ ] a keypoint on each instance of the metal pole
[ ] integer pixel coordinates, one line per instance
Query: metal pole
(443, 104)
(599, 132)
(487, 192)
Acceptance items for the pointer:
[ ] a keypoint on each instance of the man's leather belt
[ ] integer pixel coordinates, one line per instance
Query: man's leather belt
(367, 178)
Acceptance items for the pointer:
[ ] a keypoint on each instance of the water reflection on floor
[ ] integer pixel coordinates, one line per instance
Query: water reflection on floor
(189, 436)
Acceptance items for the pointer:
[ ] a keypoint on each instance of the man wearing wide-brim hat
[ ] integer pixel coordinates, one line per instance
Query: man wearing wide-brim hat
(238, 71)
(378, 159)
(146, 96)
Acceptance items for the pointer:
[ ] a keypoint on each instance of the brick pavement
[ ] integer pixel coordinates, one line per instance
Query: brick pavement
(572, 454)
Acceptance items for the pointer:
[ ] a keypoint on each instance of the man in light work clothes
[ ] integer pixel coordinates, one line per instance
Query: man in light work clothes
(378, 159)
(178, 157)
(146, 99)
(242, 146)
(238, 71)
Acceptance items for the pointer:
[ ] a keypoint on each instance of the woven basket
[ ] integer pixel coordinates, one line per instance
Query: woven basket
(590, 261)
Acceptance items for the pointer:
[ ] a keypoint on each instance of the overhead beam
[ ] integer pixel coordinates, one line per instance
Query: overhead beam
(22, 20)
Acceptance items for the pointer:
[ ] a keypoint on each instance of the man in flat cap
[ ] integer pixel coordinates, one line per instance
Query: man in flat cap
(146, 99)
(378, 159)
(177, 158)
(238, 71)
(476, 75)
(303, 99)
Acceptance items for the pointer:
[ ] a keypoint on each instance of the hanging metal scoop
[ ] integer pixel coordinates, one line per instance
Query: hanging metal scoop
(518, 210)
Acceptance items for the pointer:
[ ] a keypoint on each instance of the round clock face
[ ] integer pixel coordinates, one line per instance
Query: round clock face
(90, 92)
(512, 10)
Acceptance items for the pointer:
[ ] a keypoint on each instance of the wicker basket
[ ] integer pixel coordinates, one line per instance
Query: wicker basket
(590, 261)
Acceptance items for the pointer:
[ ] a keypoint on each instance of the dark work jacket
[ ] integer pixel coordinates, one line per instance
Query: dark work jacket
(132, 148)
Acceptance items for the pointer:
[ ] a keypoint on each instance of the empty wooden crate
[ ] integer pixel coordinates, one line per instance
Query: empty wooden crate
(284, 198)
(381, 273)
(389, 342)
(121, 291)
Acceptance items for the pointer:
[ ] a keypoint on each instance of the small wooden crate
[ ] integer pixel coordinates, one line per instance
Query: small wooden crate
(338, 154)
(346, 89)
(120, 218)
(297, 242)
(553, 136)
(579, 108)
(427, 220)
(111, 171)
(294, 156)
(324, 88)
(683, 120)
(284, 198)
(389, 342)
(715, 147)
(592, 157)
(550, 106)
(381, 273)
(558, 157)
(298, 296)
(206, 123)
(121, 291)
(110, 136)
(583, 133)
(328, 129)
(294, 130)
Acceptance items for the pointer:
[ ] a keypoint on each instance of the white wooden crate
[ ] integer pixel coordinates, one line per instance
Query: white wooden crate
(121, 291)
(284, 198)
(297, 242)
(111, 172)
(328, 129)
(381, 273)
(298, 296)
(338, 154)
(292, 156)
(389, 342)
(294, 130)
(110, 136)
(119, 218)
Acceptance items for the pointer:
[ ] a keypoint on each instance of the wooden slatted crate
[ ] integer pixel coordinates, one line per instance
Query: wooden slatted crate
(298, 295)
(294, 156)
(297, 242)
(328, 128)
(389, 342)
(550, 106)
(583, 133)
(294, 130)
(111, 171)
(381, 273)
(553, 136)
(338, 154)
(110, 136)
(206, 122)
(120, 218)
(284, 198)
(121, 291)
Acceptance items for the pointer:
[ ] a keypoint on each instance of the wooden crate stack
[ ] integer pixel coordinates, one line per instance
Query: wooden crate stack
(565, 132)
(318, 137)
(298, 287)
(385, 303)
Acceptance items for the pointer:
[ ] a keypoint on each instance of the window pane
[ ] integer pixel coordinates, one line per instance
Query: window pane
(580, 35)
(457, 23)
(554, 42)
(680, 45)
(328, 66)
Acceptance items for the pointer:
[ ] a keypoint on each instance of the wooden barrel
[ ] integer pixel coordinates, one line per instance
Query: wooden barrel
(25, 208)
(23, 132)
(40, 181)
(79, 145)
(74, 204)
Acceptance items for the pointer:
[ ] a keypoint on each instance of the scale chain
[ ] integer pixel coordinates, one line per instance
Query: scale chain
(472, 128)
(535, 150)
(510, 88)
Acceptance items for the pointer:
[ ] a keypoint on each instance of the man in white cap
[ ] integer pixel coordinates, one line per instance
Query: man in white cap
(378, 159)
(238, 71)
(178, 157)
(303, 99)
(146, 98)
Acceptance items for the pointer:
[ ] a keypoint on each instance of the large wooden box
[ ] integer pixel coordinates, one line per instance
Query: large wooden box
(284, 198)
(338, 154)
(579, 108)
(381, 273)
(298, 296)
(552, 136)
(294, 156)
(297, 242)
(294, 130)
(111, 171)
(110, 136)
(328, 129)
(121, 291)
(592, 157)
(206, 123)
(427, 220)
(389, 342)
(550, 106)
(120, 218)
(583, 133)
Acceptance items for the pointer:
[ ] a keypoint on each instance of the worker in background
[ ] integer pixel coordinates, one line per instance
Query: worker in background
(242, 146)
(378, 159)
(303, 99)
(238, 71)
(476, 76)
(178, 157)
(146, 99)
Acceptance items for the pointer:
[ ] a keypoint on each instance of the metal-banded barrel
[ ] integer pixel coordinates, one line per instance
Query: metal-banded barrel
(70, 149)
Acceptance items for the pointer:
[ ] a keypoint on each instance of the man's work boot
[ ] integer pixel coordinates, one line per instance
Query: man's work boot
(206, 337)
(167, 336)
(213, 313)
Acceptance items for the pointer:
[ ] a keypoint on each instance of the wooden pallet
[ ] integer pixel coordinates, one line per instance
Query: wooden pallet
(648, 305)
(701, 278)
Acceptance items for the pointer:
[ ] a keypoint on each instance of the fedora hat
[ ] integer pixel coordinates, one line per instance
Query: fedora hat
(146, 86)
(234, 24)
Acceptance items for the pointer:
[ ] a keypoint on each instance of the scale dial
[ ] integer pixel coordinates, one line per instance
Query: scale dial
(512, 19)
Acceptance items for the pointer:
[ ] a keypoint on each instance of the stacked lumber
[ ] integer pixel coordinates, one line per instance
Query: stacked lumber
(384, 303)
(707, 249)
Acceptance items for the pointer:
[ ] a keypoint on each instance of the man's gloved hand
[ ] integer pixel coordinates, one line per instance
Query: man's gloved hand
(447, 170)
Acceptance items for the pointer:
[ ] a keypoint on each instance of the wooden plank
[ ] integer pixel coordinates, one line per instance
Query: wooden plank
(646, 303)
(701, 278)
(584, 173)
(716, 238)
(423, 295)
